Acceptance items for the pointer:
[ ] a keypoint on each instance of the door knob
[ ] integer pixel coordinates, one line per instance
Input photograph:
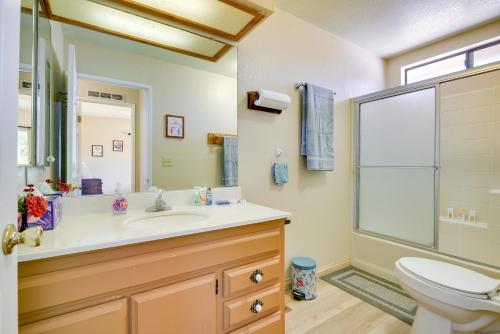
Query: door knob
(31, 237)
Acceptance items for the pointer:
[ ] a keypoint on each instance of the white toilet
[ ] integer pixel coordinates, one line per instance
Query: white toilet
(450, 298)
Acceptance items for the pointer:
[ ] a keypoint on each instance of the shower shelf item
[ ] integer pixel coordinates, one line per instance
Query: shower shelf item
(461, 222)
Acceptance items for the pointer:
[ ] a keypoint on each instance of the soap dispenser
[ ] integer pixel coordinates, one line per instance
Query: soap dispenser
(120, 203)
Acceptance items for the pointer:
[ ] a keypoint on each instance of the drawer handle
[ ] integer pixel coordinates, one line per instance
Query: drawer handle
(257, 306)
(256, 276)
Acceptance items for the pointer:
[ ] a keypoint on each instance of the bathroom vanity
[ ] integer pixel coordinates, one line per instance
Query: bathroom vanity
(99, 273)
(205, 269)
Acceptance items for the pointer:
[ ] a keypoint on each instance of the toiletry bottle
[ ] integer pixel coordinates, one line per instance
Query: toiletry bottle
(461, 214)
(120, 203)
(203, 195)
(472, 216)
(450, 212)
(208, 200)
(197, 195)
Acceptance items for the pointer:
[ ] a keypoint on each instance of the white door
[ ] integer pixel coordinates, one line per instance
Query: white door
(72, 116)
(9, 66)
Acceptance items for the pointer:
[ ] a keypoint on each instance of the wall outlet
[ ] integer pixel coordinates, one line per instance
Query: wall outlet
(167, 161)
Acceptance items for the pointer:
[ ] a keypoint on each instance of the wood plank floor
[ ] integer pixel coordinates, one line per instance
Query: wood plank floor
(335, 311)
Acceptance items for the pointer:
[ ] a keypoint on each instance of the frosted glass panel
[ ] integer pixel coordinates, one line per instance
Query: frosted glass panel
(398, 130)
(398, 202)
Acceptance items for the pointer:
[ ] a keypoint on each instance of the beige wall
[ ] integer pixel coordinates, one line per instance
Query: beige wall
(207, 101)
(281, 51)
(480, 34)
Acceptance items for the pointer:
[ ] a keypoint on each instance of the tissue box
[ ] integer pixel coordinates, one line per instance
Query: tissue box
(53, 216)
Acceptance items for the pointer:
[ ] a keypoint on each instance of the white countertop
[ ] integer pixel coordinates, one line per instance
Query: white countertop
(93, 231)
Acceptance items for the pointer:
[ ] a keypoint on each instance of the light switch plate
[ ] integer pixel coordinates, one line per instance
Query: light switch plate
(167, 161)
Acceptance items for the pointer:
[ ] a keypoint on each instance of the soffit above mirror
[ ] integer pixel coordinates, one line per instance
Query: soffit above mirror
(187, 27)
(95, 16)
(228, 19)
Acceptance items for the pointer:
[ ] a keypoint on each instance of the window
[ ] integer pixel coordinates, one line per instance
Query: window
(473, 57)
(23, 145)
(486, 55)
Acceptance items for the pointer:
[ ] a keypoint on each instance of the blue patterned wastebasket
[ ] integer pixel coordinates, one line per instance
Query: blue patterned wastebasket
(304, 278)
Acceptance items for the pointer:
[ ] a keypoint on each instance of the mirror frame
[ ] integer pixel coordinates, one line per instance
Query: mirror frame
(36, 158)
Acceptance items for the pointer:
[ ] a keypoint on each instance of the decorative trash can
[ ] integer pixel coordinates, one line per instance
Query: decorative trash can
(303, 278)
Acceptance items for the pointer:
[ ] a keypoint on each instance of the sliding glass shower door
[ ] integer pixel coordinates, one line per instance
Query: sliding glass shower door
(396, 166)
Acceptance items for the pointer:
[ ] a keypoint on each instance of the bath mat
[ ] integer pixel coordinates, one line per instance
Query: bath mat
(385, 295)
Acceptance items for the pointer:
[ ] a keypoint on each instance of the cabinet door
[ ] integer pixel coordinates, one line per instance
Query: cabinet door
(188, 307)
(109, 318)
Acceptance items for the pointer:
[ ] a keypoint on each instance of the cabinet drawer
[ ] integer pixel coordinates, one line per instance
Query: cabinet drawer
(251, 275)
(61, 287)
(242, 309)
(269, 325)
(108, 318)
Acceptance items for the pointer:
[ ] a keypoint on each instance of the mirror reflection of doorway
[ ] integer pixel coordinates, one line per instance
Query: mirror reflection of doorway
(106, 145)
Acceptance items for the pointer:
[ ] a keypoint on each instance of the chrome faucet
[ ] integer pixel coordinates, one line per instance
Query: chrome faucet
(160, 204)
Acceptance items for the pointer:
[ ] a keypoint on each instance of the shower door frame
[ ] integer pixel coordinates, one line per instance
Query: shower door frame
(401, 90)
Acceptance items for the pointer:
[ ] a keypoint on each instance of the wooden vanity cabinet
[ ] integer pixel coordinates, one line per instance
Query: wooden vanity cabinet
(207, 283)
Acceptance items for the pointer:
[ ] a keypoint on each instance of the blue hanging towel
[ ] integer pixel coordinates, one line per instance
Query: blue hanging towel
(280, 172)
(230, 161)
(317, 127)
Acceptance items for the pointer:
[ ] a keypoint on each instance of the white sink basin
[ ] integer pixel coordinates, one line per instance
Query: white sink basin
(166, 218)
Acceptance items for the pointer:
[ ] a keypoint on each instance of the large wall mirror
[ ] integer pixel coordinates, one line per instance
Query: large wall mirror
(118, 109)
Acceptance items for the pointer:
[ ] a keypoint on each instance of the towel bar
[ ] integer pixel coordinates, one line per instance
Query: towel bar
(217, 138)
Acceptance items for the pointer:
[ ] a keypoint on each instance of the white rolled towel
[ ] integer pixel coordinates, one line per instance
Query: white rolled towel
(273, 100)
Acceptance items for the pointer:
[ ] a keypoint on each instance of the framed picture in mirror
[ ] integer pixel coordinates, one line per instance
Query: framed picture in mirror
(118, 145)
(175, 126)
(97, 151)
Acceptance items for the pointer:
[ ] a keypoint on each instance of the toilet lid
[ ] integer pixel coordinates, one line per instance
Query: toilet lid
(451, 276)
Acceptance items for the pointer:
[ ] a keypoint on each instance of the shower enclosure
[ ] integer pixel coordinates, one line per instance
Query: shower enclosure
(427, 165)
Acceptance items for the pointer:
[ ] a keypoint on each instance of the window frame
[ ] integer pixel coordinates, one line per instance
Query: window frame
(469, 59)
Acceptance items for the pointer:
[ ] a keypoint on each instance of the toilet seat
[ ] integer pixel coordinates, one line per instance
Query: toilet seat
(457, 298)
(451, 277)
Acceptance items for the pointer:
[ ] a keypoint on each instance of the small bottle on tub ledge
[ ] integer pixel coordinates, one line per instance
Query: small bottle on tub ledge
(472, 216)
(461, 214)
(450, 213)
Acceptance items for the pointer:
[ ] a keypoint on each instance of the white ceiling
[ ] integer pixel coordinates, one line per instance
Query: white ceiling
(390, 27)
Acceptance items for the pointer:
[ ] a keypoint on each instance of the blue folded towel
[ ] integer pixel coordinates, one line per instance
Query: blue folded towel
(230, 161)
(280, 172)
(317, 127)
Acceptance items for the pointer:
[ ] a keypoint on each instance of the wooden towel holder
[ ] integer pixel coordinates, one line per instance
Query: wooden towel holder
(217, 138)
